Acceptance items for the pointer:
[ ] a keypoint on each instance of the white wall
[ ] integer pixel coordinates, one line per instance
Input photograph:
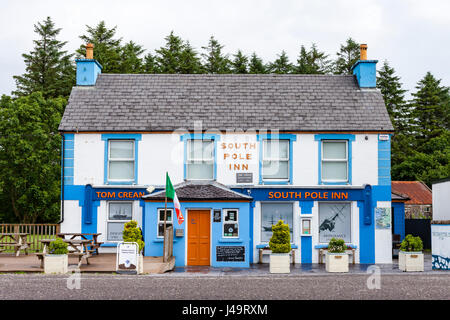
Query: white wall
(72, 217)
(441, 201)
(89, 153)
(365, 159)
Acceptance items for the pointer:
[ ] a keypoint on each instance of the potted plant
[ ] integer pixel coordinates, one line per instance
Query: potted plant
(280, 245)
(131, 233)
(410, 256)
(336, 259)
(56, 260)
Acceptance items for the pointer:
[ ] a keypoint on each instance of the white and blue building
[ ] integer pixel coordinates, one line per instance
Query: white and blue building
(242, 151)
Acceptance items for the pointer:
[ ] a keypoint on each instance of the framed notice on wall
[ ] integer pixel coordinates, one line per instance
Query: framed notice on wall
(383, 218)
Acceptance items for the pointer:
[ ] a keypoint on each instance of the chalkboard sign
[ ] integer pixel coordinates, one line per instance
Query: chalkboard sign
(230, 253)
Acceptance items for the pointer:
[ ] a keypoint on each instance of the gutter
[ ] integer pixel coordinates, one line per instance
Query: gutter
(62, 177)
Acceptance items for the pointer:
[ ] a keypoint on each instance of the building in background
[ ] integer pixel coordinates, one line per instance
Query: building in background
(243, 152)
(440, 226)
(420, 203)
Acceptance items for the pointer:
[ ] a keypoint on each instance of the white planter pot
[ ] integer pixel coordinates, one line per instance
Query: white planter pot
(410, 261)
(280, 263)
(336, 262)
(56, 263)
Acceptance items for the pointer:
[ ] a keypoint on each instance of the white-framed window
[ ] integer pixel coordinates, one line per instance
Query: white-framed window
(230, 225)
(275, 160)
(200, 160)
(335, 221)
(119, 213)
(121, 160)
(334, 161)
(271, 213)
(169, 221)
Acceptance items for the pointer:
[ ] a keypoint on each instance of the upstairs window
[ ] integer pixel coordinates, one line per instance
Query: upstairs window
(334, 161)
(275, 160)
(200, 160)
(121, 161)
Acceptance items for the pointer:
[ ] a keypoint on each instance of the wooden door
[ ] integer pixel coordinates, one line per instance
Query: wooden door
(199, 239)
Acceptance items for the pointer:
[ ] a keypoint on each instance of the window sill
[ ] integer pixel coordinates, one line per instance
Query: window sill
(224, 240)
(161, 240)
(274, 182)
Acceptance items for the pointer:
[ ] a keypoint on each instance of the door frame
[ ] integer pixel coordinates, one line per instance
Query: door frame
(187, 233)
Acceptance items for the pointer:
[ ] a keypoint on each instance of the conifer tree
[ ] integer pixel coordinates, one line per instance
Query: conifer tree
(347, 57)
(107, 49)
(281, 65)
(130, 61)
(49, 68)
(312, 61)
(190, 61)
(239, 63)
(214, 60)
(149, 64)
(168, 58)
(256, 64)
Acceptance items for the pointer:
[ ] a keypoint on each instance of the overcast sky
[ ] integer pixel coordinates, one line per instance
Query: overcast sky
(413, 35)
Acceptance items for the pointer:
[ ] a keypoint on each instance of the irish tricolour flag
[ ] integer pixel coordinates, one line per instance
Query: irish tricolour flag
(171, 194)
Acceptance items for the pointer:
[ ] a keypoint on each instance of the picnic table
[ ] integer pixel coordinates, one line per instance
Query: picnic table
(83, 236)
(77, 248)
(18, 240)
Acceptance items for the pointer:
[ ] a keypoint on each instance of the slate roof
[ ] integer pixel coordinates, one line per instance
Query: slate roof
(210, 190)
(165, 102)
(417, 192)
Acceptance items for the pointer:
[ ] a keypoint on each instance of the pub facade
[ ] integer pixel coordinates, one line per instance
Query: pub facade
(243, 151)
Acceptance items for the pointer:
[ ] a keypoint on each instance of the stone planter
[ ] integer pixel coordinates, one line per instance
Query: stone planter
(336, 262)
(140, 266)
(410, 261)
(280, 263)
(56, 263)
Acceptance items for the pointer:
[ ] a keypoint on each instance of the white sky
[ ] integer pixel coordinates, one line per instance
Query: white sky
(413, 35)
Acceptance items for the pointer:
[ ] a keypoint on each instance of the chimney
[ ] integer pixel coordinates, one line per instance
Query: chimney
(365, 70)
(88, 69)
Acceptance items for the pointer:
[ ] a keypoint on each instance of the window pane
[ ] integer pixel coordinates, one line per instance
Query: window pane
(120, 211)
(200, 170)
(230, 230)
(230, 215)
(201, 150)
(275, 170)
(334, 171)
(121, 150)
(334, 150)
(276, 149)
(334, 221)
(121, 170)
(115, 231)
(168, 217)
(161, 228)
(270, 214)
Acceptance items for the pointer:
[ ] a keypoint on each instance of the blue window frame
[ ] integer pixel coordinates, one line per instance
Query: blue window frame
(121, 158)
(281, 158)
(335, 158)
(200, 154)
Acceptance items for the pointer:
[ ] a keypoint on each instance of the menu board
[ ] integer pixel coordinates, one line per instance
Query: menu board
(230, 253)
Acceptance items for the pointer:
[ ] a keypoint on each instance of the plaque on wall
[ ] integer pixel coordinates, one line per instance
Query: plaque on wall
(230, 253)
(217, 215)
(244, 177)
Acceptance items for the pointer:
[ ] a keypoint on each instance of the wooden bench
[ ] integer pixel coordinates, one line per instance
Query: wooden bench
(95, 246)
(323, 248)
(80, 256)
(264, 248)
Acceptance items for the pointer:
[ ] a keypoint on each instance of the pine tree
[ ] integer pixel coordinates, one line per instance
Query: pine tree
(107, 49)
(149, 64)
(215, 60)
(190, 61)
(347, 57)
(168, 58)
(49, 68)
(239, 63)
(281, 65)
(312, 62)
(130, 61)
(256, 65)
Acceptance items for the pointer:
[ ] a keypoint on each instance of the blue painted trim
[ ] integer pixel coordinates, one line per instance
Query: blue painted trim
(199, 136)
(121, 136)
(281, 136)
(333, 136)
(67, 172)
(384, 162)
(306, 240)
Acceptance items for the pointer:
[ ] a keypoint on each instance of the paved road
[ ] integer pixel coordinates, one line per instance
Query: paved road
(192, 287)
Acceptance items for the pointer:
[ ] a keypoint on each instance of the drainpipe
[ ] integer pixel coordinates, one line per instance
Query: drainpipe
(62, 177)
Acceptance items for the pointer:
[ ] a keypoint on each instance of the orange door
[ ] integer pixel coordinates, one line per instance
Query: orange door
(198, 251)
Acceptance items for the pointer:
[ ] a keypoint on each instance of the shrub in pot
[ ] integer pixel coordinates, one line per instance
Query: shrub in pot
(131, 233)
(410, 256)
(280, 245)
(56, 260)
(336, 258)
